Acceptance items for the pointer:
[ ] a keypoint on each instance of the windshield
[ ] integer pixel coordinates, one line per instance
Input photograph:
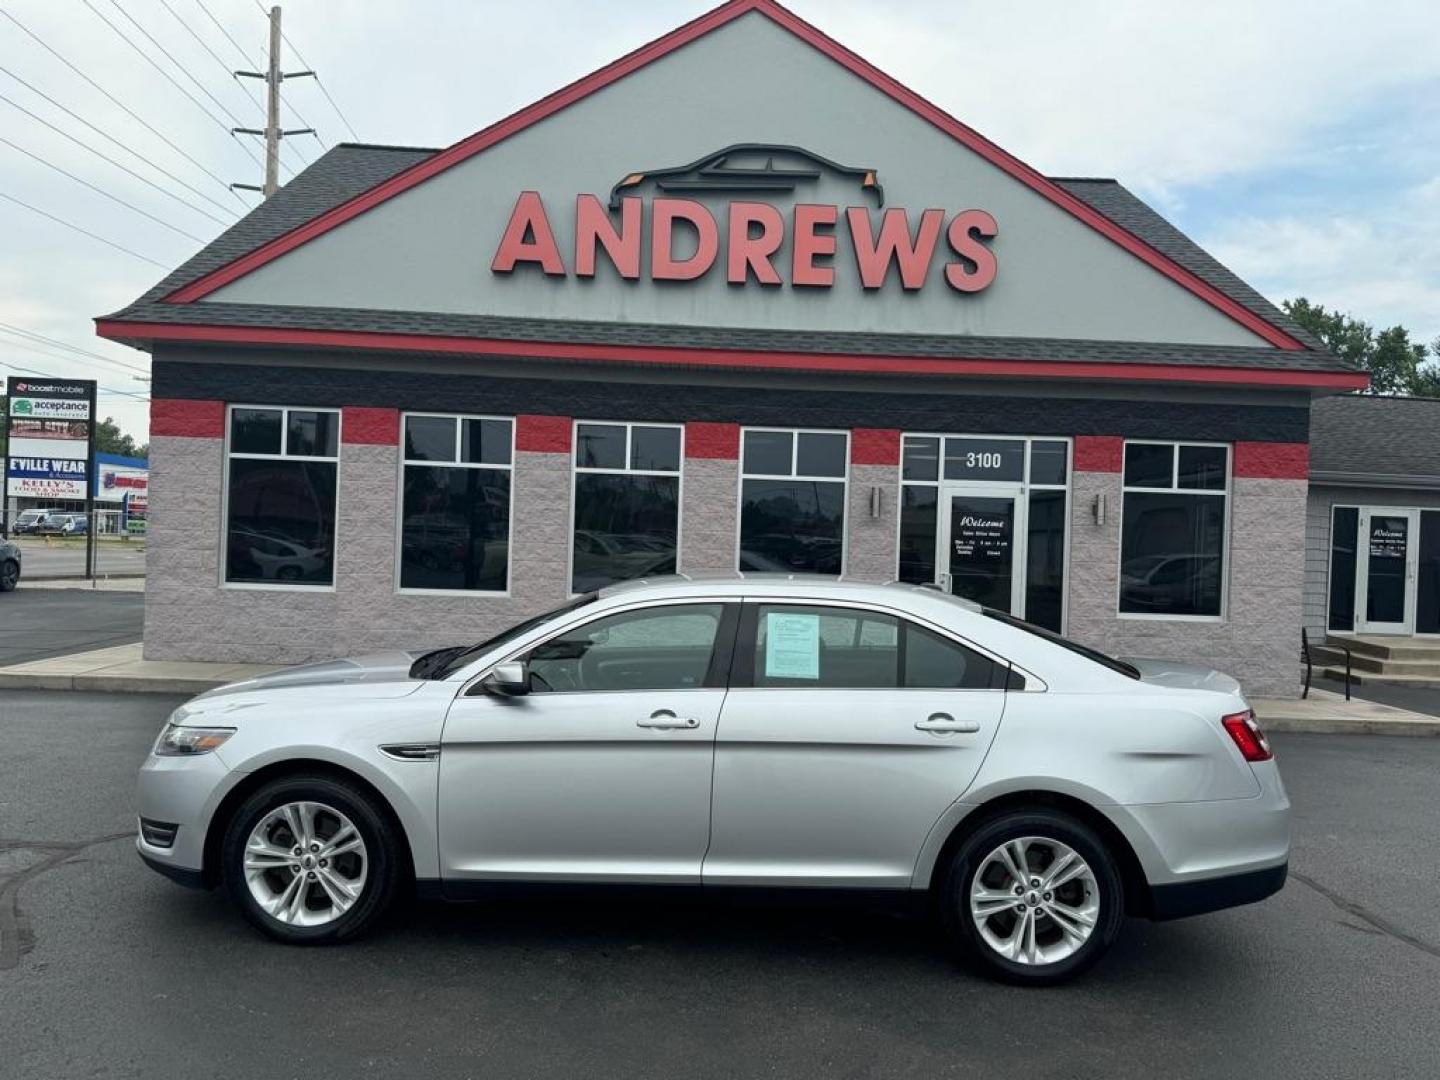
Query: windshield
(1128, 670)
(442, 663)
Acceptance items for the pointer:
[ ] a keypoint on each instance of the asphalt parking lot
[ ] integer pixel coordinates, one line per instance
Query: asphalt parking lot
(108, 970)
(35, 623)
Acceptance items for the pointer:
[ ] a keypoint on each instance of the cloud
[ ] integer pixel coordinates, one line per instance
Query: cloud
(1383, 267)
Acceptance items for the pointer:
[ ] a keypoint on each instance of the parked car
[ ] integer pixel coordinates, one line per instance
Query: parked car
(9, 565)
(75, 525)
(55, 524)
(29, 521)
(756, 730)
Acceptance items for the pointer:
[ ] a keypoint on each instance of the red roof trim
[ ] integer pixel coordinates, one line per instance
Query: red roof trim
(677, 38)
(731, 358)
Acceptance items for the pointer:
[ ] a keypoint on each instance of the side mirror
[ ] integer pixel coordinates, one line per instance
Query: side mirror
(511, 679)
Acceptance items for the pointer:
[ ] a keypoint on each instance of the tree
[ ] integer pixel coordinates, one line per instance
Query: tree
(1396, 364)
(109, 439)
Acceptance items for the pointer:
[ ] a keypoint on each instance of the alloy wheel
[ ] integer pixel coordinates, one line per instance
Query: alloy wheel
(9, 575)
(1034, 900)
(305, 864)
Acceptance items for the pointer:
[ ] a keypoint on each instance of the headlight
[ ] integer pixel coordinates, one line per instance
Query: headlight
(178, 741)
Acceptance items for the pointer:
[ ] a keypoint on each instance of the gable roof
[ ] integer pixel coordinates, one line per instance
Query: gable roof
(351, 179)
(705, 24)
(351, 169)
(1375, 440)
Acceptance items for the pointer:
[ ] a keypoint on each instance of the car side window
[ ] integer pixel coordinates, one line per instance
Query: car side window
(850, 648)
(659, 648)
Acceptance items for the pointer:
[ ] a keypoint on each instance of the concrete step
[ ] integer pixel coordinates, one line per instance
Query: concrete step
(1398, 648)
(1390, 666)
(1360, 678)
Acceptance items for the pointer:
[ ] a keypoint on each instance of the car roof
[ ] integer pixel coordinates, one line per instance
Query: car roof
(815, 586)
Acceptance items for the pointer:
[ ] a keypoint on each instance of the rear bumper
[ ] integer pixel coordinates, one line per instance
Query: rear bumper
(1176, 901)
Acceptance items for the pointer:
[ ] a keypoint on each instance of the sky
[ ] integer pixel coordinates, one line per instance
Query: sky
(1297, 140)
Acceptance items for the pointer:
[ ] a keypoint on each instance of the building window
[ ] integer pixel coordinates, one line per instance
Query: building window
(1023, 482)
(281, 474)
(1172, 534)
(627, 503)
(792, 500)
(455, 503)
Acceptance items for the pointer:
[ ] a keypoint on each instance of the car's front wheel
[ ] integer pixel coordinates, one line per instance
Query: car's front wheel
(9, 575)
(1033, 897)
(312, 860)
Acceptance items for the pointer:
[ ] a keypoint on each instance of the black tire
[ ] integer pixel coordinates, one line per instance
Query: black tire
(387, 865)
(967, 861)
(9, 575)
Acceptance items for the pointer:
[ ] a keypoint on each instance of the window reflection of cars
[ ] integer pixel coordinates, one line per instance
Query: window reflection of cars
(602, 558)
(273, 555)
(1163, 582)
(791, 552)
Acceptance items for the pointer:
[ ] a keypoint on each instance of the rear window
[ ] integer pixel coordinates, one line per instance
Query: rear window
(1104, 660)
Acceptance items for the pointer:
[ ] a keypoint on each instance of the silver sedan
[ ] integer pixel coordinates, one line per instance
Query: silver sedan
(763, 732)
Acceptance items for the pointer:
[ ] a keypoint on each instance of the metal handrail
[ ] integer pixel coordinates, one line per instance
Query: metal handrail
(1310, 667)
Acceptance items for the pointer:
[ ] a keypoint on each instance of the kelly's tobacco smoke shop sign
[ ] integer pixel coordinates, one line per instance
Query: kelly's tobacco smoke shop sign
(49, 432)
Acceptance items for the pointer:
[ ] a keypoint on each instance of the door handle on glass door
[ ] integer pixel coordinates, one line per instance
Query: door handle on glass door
(664, 718)
(945, 722)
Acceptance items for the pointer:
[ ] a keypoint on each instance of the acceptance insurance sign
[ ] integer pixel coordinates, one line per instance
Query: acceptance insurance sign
(49, 428)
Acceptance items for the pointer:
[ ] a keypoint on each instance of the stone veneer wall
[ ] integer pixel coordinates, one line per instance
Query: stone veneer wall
(190, 616)
(1258, 640)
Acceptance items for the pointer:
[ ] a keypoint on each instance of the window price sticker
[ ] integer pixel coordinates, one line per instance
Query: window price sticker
(792, 646)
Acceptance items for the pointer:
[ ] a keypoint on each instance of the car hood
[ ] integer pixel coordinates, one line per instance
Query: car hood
(1182, 676)
(376, 671)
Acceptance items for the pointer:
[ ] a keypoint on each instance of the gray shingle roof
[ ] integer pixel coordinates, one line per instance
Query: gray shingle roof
(1373, 439)
(349, 169)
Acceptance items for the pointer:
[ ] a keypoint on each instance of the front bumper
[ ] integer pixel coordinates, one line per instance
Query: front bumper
(1177, 901)
(183, 791)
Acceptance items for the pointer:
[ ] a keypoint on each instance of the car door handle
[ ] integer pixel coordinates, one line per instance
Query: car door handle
(664, 718)
(944, 722)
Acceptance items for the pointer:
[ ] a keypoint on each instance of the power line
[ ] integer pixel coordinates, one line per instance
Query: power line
(100, 190)
(182, 68)
(86, 232)
(105, 134)
(124, 108)
(30, 347)
(58, 344)
(105, 157)
(319, 82)
(50, 375)
(226, 68)
(171, 79)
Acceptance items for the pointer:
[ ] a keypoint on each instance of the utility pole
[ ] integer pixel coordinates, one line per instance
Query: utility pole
(272, 131)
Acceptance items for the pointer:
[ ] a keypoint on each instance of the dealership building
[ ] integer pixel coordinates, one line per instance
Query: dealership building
(738, 300)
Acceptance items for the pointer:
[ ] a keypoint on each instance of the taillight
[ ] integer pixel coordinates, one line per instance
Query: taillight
(1248, 736)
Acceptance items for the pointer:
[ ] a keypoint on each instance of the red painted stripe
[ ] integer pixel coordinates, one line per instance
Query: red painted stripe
(676, 39)
(187, 419)
(1273, 461)
(370, 427)
(736, 358)
(875, 446)
(543, 434)
(719, 442)
(1099, 453)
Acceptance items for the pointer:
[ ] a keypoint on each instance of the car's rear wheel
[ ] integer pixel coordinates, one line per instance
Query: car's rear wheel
(9, 575)
(312, 860)
(1033, 897)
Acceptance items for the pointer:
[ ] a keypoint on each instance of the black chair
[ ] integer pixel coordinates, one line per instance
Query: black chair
(1310, 667)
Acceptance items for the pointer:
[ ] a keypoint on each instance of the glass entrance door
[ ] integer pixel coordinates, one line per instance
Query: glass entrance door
(1386, 571)
(981, 542)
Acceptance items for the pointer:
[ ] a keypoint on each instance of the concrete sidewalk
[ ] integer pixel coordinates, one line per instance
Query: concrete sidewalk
(123, 669)
(99, 584)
